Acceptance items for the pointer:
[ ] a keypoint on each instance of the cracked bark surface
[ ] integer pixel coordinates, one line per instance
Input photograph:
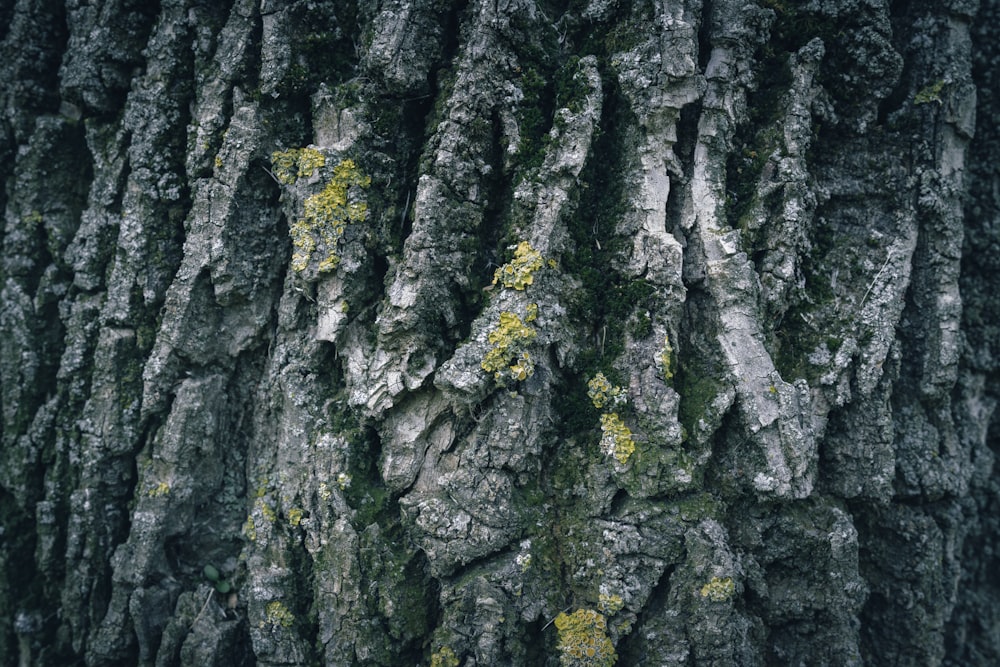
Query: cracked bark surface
(415, 332)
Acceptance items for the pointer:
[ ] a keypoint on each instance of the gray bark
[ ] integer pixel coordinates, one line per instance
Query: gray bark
(425, 332)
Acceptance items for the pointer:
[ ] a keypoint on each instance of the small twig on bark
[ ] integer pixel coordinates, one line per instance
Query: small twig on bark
(552, 620)
(203, 608)
(875, 280)
(271, 174)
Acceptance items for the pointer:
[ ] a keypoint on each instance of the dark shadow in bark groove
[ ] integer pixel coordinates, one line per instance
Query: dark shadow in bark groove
(632, 649)
(705, 36)
(19, 579)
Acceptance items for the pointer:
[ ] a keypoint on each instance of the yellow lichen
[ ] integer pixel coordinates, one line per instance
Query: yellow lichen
(325, 218)
(310, 160)
(663, 359)
(161, 489)
(250, 529)
(266, 512)
(519, 272)
(279, 615)
(295, 163)
(295, 516)
(719, 589)
(531, 312)
(583, 640)
(523, 561)
(507, 359)
(602, 392)
(444, 657)
(929, 93)
(285, 165)
(327, 213)
(616, 438)
(610, 603)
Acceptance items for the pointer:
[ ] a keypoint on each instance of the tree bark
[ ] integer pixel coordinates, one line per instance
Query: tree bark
(500, 333)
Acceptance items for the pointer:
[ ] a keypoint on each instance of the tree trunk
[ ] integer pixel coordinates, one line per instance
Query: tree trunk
(500, 333)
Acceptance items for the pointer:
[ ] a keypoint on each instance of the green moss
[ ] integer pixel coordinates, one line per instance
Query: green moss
(698, 507)
(387, 119)
(575, 410)
(388, 559)
(658, 468)
(802, 329)
(571, 88)
(607, 305)
(794, 27)
(625, 35)
(697, 390)
(533, 118)
(362, 484)
(642, 326)
(446, 78)
(744, 167)
(324, 46)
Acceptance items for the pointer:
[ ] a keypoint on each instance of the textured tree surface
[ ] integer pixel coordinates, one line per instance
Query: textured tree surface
(500, 332)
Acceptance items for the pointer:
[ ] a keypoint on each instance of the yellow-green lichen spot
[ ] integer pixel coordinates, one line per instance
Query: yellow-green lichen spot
(583, 640)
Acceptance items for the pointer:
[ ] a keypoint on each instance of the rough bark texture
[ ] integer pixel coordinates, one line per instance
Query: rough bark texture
(670, 326)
